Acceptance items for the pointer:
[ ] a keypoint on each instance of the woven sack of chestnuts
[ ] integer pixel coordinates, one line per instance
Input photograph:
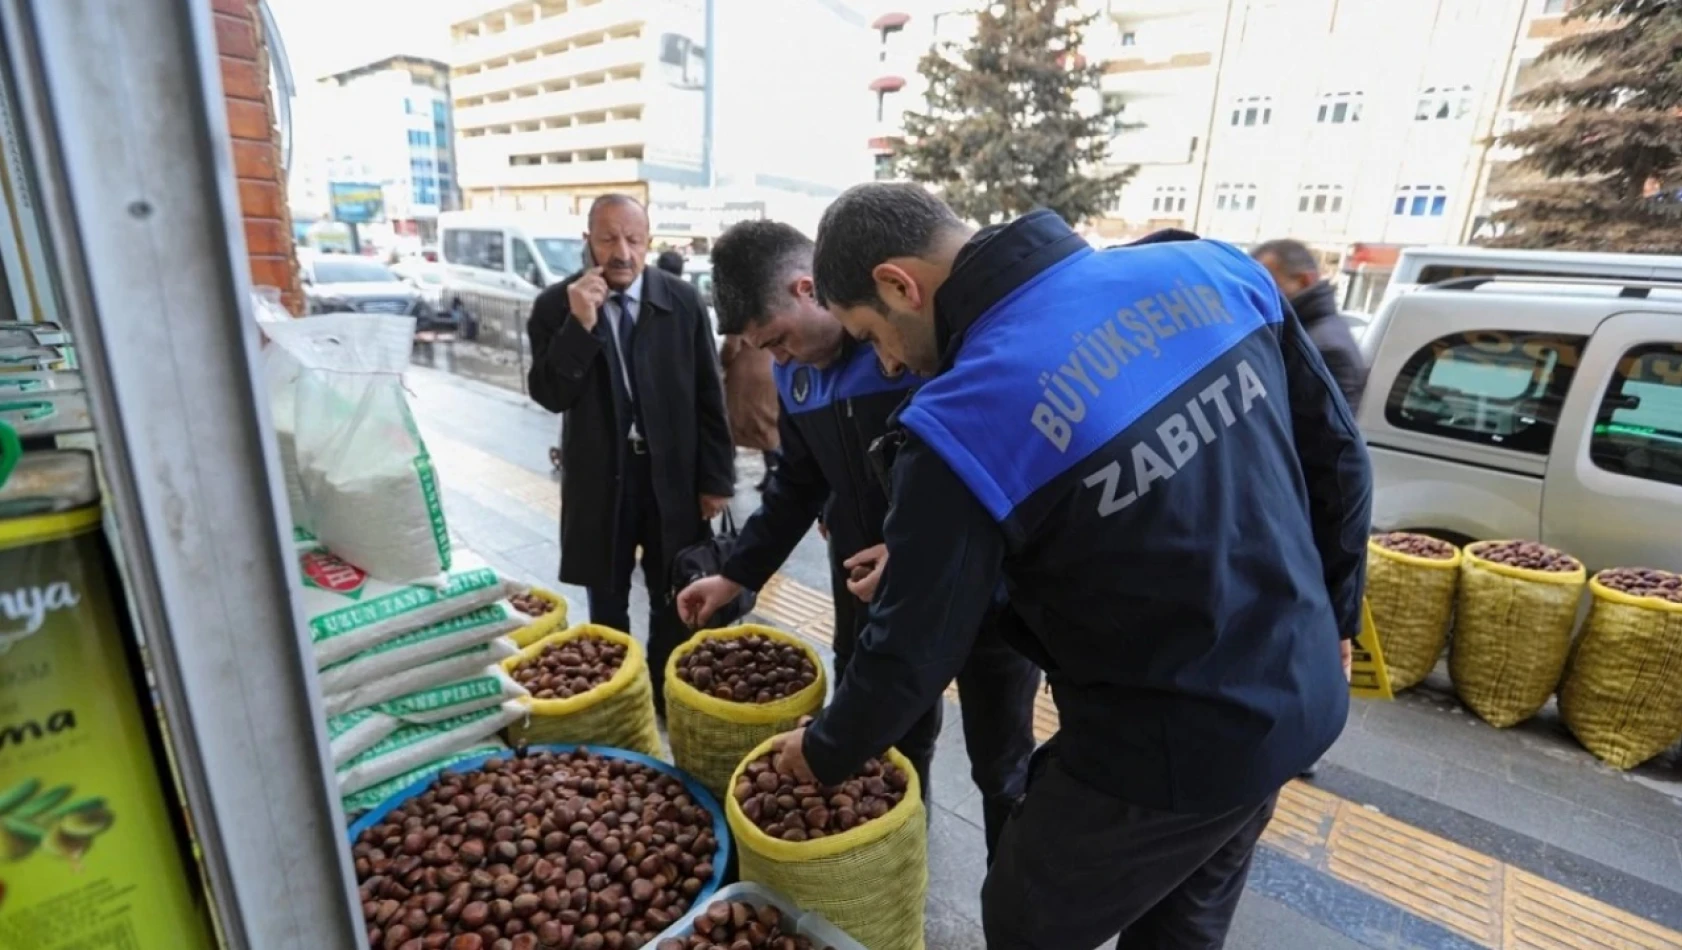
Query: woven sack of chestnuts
(1513, 618)
(1411, 580)
(729, 690)
(589, 685)
(1622, 695)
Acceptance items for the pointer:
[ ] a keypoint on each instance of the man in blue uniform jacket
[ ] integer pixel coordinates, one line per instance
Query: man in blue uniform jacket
(1146, 447)
(836, 400)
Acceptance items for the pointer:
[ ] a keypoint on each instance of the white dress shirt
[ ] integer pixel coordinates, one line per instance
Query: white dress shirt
(633, 302)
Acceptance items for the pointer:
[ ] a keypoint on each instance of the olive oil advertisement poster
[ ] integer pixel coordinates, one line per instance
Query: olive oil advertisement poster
(89, 856)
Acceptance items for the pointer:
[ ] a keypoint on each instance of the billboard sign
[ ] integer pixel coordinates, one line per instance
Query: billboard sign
(356, 202)
(675, 117)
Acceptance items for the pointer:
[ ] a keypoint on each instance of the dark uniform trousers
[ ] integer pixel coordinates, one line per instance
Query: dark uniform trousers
(1076, 866)
(638, 526)
(996, 695)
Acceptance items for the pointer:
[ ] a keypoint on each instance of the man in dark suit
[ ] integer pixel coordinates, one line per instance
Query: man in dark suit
(627, 354)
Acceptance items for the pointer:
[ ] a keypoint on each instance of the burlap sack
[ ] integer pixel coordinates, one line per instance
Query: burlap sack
(1412, 601)
(618, 714)
(1512, 633)
(1622, 695)
(710, 736)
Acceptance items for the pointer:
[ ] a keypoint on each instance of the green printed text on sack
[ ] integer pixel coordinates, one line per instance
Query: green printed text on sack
(395, 604)
(339, 725)
(455, 694)
(411, 735)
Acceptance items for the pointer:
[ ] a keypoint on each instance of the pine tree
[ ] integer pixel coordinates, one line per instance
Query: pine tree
(1005, 129)
(1611, 151)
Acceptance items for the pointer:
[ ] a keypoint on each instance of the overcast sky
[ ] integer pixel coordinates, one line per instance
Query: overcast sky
(327, 36)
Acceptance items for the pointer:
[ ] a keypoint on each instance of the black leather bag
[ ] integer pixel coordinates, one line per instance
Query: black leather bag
(706, 559)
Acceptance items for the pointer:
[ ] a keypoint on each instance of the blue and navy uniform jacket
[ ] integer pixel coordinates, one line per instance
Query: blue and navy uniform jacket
(829, 418)
(1148, 449)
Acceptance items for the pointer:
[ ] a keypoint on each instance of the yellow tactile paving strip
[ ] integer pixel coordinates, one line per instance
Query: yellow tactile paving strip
(1487, 902)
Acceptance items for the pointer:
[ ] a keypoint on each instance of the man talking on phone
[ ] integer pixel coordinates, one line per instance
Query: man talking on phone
(627, 356)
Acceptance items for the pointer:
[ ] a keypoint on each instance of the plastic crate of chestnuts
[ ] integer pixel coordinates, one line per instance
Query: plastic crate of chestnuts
(748, 916)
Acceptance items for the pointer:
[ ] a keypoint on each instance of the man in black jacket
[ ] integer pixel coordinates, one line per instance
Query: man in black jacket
(836, 401)
(627, 354)
(1145, 447)
(1314, 299)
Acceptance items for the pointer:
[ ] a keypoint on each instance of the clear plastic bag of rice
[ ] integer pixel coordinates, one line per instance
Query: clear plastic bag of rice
(369, 485)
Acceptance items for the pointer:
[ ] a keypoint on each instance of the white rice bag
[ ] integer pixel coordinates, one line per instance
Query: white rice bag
(375, 795)
(350, 612)
(369, 485)
(411, 747)
(437, 673)
(356, 732)
(417, 647)
(492, 687)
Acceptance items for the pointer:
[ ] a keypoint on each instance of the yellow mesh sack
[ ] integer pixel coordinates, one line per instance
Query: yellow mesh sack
(870, 881)
(1622, 695)
(1512, 633)
(1412, 601)
(541, 627)
(619, 713)
(709, 735)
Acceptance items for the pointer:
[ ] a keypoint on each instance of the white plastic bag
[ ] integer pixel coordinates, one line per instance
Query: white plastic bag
(350, 612)
(411, 747)
(280, 377)
(368, 482)
(437, 673)
(412, 649)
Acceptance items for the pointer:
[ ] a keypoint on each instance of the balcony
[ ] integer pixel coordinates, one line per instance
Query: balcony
(554, 175)
(479, 153)
(599, 97)
(579, 21)
(1188, 77)
(619, 54)
(1140, 11)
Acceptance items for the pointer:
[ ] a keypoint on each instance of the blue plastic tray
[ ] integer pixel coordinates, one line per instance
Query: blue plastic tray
(702, 797)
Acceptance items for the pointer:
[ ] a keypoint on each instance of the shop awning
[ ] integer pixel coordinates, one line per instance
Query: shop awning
(887, 84)
(888, 21)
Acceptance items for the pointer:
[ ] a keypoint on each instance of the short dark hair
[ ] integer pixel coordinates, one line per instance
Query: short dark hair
(670, 261)
(1294, 256)
(870, 224)
(749, 261)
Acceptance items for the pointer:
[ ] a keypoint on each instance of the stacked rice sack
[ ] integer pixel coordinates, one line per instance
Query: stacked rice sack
(409, 672)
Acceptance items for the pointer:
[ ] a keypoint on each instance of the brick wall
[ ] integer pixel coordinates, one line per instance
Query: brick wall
(256, 148)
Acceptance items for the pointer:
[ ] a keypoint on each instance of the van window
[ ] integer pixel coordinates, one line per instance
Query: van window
(524, 262)
(563, 255)
(1638, 430)
(1493, 387)
(1438, 273)
(474, 248)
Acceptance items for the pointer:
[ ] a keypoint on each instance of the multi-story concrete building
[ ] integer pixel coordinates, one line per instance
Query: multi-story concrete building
(387, 122)
(558, 101)
(1357, 126)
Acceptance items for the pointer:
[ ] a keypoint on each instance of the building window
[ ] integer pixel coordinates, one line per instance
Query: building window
(1418, 201)
(1638, 430)
(885, 170)
(1235, 197)
(1443, 102)
(1130, 39)
(474, 249)
(1169, 199)
(1320, 199)
(1493, 387)
(1340, 107)
(419, 138)
(1252, 110)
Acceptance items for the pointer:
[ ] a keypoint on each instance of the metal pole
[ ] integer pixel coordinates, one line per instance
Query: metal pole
(125, 123)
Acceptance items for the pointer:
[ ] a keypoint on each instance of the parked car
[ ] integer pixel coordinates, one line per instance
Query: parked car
(1546, 408)
(496, 263)
(336, 283)
(426, 277)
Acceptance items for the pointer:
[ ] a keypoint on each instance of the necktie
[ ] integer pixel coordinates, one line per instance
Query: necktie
(627, 326)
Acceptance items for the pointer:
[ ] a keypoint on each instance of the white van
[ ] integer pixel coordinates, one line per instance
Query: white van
(497, 262)
(1543, 408)
(1422, 266)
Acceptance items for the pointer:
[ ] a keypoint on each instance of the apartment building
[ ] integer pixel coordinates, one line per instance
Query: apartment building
(389, 123)
(689, 105)
(1357, 126)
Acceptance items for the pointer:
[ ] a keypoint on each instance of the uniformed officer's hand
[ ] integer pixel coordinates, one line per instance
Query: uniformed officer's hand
(712, 506)
(864, 571)
(585, 296)
(790, 749)
(700, 600)
(1347, 649)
